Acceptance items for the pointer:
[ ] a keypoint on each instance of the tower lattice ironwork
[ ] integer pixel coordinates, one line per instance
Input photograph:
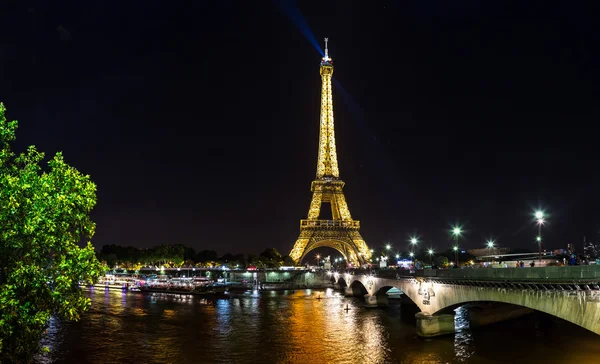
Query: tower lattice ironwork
(342, 232)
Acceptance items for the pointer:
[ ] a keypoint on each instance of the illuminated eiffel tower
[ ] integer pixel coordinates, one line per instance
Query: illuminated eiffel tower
(341, 233)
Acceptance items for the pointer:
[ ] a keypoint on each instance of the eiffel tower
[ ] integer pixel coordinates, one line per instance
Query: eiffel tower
(342, 233)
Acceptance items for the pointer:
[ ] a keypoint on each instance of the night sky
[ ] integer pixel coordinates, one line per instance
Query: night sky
(198, 121)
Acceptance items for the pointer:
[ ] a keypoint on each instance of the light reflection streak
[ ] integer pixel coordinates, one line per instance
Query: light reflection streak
(285, 327)
(463, 338)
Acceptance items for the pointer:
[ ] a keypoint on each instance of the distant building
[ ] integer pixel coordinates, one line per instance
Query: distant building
(488, 251)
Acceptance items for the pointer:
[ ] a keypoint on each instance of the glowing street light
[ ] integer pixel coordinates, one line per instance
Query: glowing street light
(490, 246)
(455, 248)
(430, 252)
(397, 256)
(411, 254)
(413, 244)
(456, 232)
(539, 216)
(388, 247)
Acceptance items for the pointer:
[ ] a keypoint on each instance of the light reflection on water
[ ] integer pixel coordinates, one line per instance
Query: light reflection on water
(463, 338)
(304, 326)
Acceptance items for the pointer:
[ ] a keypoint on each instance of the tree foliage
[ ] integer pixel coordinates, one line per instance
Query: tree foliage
(44, 215)
(178, 255)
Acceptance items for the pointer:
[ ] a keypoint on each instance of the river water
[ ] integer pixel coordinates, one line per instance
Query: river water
(296, 327)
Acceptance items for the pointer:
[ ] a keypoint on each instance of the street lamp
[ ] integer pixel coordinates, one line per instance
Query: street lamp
(490, 246)
(539, 216)
(455, 255)
(456, 232)
(318, 264)
(413, 244)
(411, 254)
(430, 252)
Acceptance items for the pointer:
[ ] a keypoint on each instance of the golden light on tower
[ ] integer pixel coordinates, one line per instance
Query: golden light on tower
(342, 232)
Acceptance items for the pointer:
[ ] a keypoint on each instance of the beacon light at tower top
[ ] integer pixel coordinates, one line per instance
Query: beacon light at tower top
(326, 58)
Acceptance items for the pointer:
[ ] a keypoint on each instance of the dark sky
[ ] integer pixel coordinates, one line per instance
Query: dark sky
(199, 120)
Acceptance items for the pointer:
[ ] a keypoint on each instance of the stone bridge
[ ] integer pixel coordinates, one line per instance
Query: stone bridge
(570, 293)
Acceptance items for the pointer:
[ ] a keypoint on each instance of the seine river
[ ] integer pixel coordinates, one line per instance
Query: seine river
(296, 327)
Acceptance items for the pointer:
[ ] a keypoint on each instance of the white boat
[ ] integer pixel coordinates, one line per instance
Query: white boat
(115, 283)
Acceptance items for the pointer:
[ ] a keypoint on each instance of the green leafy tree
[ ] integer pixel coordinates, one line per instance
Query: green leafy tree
(44, 214)
(288, 261)
(441, 261)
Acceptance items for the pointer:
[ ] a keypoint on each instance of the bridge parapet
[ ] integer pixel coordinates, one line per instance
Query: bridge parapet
(581, 273)
(574, 273)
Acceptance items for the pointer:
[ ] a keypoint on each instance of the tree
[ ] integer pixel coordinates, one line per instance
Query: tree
(441, 261)
(271, 253)
(44, 214)
(206, 256)
(226, 258)
(288, 261)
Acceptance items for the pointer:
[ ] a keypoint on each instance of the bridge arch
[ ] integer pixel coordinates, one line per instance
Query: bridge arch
(438, 298)
(341, 282)
(383, 290)
(345, 248)
(358, 288)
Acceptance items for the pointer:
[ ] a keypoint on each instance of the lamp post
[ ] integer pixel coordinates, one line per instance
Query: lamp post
(430, 252)
(413, 244)
(455, 248)
(490, 246)
(456, 232)
(539, 216)
(318, 257)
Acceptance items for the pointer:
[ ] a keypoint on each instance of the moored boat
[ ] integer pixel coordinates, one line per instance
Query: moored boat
(207, 290)
(114, 283)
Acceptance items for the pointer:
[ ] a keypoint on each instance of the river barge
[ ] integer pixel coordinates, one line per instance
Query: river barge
(196, 291)
(115, 283)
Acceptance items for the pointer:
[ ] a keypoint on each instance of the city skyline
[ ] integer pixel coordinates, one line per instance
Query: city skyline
(208, 137)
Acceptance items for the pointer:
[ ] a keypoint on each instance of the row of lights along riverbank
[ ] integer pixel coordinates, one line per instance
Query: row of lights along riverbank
(457, 233)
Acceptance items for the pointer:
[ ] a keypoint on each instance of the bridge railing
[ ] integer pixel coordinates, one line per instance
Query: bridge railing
(568, 273)
(580, 272)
